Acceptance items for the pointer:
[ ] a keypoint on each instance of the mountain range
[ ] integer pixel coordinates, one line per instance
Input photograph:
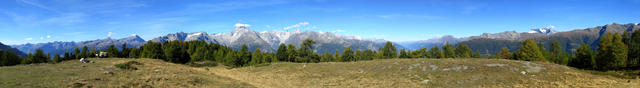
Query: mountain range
(14, 50)
(269, 41)
(62, 47)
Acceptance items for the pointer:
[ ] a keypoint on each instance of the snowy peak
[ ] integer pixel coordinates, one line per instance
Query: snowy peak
(544, 31)
(132, 38)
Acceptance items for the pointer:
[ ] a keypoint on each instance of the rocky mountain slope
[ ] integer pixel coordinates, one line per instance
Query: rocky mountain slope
(569, 39)
(270, 40)
(14, 50)
(99, 44)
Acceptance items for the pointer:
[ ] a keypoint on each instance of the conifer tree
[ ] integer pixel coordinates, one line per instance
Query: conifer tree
(152, 50)
(556, 52)
(389, 50)
(281, 53)
(244, 56)
(56, 58)
(76, 53)
(326, 57)
(112, 51)
(336, 56)
(175, 52)
(435, 52)
(463, 51)
(634, 49)
(292, 53)
(612, 53)
(348, 55)
(505, 54)
(529, 51)
(256, 57)
(404, 54)
(124, 52)
(84, 53)
(448, 50)
(134, 53)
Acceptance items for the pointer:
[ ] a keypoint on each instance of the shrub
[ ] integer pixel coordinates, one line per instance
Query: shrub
(127, 65)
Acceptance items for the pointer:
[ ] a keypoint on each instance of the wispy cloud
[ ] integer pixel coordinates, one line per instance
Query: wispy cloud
(28, 39)
(67, 19)
(36, 4)
(296, 25)
(238, 25)
(110, 33)
(338, 31)
(48, 36)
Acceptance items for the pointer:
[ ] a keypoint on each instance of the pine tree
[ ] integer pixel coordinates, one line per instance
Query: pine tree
(583, 57)
(112, 51)
(134, 53)
(463, 51)
(244, 56)
(476, 55)
(389, 50)
(626, 37)
(529, 51)
(434, 52)
(56, 58)
(556, 52)
(336, 56)
(326, 57)
(348, 55)
(281, 53)
(67, 56)
(545, 52)
(124, 53)
(256, 57)
(175, 52)
(8, 58)
(292, 53)
(404, 54)
(84, 53)
(306, 53)
(448, 50)
(39, 57)
(634, 49)
(612, 53)
(152, 50)
(76, 53)
(505, 54)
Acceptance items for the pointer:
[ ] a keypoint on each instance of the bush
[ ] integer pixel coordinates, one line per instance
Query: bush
(128, 66)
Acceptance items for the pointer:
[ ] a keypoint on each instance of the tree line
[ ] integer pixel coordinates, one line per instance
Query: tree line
(614, 51)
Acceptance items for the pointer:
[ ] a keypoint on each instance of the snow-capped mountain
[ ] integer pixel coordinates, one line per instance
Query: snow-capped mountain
(270, 40)
(513, 35)
(413, 45)
(62, 47)
(544, 31)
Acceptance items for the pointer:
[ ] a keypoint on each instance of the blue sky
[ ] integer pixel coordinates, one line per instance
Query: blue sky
(38, 21)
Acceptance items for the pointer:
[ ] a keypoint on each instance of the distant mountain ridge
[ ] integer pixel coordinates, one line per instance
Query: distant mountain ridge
(62, 47)
(569, 39)
(270, 40)
(14, 50)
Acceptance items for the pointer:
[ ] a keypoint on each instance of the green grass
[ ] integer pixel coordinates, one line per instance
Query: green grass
(396, 73)
(76, 74)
